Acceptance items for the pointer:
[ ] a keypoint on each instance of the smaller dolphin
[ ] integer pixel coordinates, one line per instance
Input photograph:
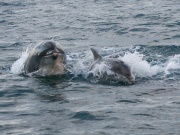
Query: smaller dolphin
(116, 66)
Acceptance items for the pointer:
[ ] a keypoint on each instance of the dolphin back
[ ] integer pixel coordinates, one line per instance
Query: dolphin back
(96, 55)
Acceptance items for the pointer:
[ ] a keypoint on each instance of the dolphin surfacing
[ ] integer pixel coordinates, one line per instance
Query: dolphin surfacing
(113, 66)
(47, 58)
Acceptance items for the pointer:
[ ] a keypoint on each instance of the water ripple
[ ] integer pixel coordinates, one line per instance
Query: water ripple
(85, 115)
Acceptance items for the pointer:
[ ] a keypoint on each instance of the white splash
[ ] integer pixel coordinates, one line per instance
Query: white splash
(80, 65)
(173, 64)
(139, 66)
(17, 66)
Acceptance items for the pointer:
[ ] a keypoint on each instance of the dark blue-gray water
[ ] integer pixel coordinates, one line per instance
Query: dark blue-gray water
(144, 33)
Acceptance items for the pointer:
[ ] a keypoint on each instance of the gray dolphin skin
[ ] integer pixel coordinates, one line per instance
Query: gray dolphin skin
(46, 58)
(117, 66)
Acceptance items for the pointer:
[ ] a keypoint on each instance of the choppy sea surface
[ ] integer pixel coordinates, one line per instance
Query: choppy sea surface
(143, 33)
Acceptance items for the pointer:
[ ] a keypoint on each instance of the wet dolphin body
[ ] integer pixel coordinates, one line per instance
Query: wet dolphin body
(47, 58)
(117, 66)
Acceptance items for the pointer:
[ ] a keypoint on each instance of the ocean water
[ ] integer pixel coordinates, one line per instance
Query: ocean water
(143, 33)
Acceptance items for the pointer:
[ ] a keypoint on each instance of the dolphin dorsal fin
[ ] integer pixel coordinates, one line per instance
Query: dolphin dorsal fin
(96, 55)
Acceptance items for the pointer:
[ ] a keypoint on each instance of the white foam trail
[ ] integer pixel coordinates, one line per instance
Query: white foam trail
(139, 66)
(17, 66)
